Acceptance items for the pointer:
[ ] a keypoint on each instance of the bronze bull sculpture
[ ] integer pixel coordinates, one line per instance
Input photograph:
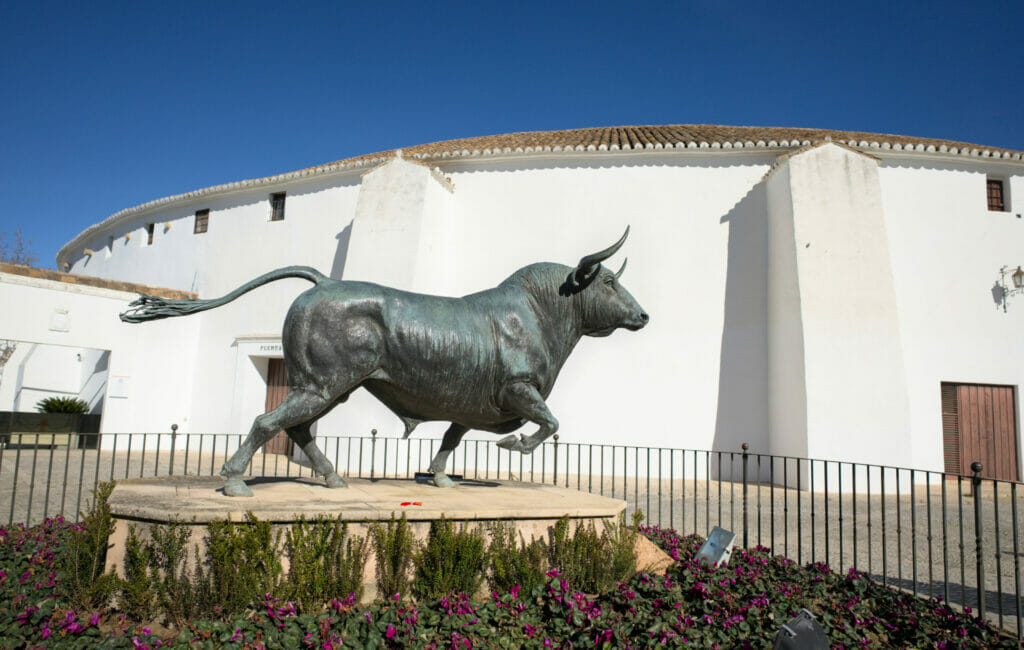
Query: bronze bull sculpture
(484, 361)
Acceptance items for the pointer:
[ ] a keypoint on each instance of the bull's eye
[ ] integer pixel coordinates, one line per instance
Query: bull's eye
(609, 280)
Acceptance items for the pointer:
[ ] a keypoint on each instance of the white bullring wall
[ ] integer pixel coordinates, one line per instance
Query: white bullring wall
(723, 359)
(787, 390)
(159, 364)
(241, 241)
(947, 248)
(854, 378)
(659, 386)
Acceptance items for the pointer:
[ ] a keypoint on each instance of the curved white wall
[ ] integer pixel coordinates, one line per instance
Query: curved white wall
(717, 363)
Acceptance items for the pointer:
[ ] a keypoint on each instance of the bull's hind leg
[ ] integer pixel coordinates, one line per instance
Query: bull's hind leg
(525, 401)
(452, 437)
(304, 439)
(298, 407)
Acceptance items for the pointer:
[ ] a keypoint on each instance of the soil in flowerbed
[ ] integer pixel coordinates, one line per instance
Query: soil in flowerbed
(741, 605)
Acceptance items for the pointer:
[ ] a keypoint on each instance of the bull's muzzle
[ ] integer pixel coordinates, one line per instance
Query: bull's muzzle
(638, 321)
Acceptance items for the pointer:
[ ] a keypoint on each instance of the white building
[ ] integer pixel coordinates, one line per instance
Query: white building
(815, 293)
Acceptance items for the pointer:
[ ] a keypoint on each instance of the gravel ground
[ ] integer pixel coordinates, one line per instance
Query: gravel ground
(912, 542)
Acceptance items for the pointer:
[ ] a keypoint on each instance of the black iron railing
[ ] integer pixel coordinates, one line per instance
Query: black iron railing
(956, 537)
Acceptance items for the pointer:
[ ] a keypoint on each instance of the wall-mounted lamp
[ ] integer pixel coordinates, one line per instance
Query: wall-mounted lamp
(1015, 284)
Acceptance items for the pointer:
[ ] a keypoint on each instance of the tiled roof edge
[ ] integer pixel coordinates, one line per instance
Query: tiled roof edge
(86, 280)
(703, 138)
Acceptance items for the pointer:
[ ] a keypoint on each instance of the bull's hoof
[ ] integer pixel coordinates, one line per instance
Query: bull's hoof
(335, 481)
(529, 445)
(443, 481)
(512, 443)
(236, 487)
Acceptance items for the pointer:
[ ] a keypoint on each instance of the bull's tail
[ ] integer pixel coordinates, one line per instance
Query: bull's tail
(148, 307)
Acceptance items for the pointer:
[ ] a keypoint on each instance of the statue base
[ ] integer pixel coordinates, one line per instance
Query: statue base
(532, 508)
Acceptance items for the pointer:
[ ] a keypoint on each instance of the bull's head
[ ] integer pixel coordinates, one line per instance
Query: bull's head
(606, 304)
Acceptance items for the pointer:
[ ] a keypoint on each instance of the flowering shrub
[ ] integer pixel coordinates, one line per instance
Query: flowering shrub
(739, 605)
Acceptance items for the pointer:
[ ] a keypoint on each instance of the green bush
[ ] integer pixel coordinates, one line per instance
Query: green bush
(138, 592)
(592, 562)
(62, 405)
(242, 562)
(162, 579)
(182, 590)
(324, 563)
(512, 564)
(393, 547)
(86, 583)
(452, 560)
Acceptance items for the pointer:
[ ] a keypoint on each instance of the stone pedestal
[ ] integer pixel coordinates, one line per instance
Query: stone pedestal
(532, 508)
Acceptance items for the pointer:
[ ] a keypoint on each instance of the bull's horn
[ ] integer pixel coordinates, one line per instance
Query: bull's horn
(621, 269)
(590, 262)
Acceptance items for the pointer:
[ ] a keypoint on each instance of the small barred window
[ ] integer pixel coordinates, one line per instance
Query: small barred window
(996, 202)
(202, 221)
(277, 206)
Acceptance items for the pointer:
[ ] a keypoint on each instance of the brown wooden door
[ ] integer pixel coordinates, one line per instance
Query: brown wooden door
(979, 422)
(277, 388)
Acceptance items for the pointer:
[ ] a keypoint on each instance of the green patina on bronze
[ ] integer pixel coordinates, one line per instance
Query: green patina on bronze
(484, 361)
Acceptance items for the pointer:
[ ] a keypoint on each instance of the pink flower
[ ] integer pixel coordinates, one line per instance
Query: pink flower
(390, 633)
(95, 620)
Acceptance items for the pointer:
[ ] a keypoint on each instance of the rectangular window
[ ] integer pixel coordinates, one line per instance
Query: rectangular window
(150, 228)
(202, 221)
(277, 206)
(996, 201)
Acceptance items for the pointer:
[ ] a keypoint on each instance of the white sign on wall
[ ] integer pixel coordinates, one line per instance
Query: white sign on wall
(59, 320)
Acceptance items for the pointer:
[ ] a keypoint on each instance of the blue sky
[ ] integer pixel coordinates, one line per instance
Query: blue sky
(110, 105)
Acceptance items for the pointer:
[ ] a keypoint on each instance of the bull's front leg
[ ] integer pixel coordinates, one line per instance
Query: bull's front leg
(525, 401)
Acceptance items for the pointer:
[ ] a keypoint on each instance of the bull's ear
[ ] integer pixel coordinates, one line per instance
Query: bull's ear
(590, 263)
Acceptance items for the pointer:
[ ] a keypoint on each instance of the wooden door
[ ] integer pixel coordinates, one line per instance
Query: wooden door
(979, 422)
(277, 388)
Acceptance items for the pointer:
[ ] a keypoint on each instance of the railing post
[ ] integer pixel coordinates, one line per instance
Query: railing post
(976, 467)
(554, 478)
(174, 436)
(373, 450)
(745, 537)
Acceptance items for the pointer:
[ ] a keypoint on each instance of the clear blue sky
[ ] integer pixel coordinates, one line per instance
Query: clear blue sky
(110, 105)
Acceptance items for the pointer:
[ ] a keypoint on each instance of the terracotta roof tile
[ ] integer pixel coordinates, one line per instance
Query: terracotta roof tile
(670, 135)
(71, 278)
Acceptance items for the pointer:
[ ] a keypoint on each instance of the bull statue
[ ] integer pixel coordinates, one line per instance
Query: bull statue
(485, 361)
